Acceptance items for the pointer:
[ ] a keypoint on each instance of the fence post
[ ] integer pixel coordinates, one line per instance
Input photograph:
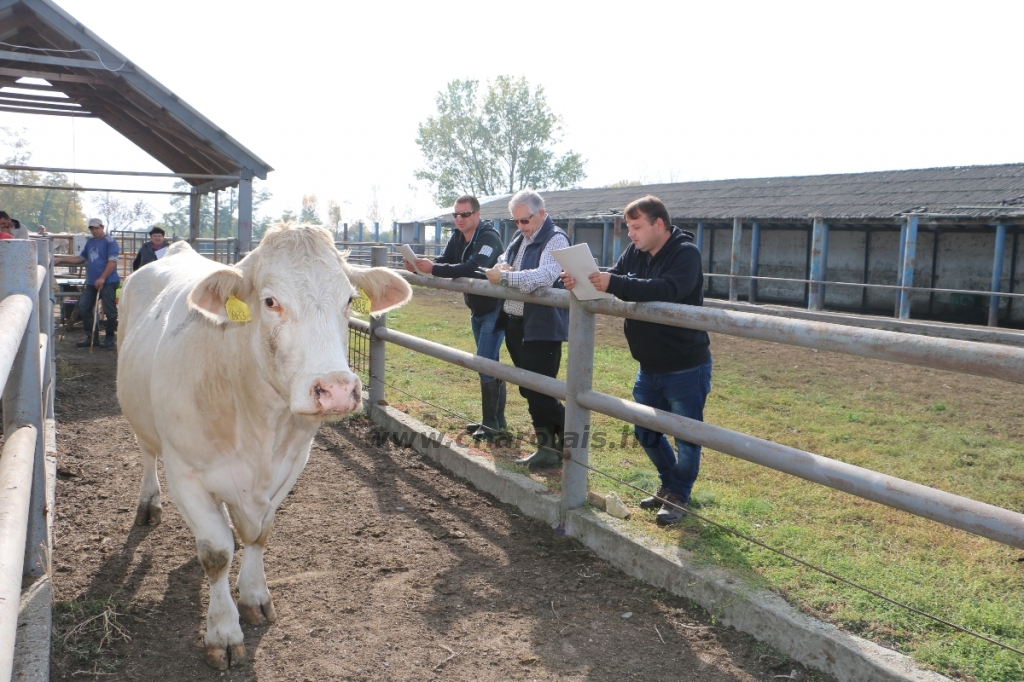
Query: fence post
(824, 265)
(605, 227)
(909, 254)
(899, 264)
(376, 231)
(817, 242)
(734, 259)
(755, 251)
(378, 259)
(22, 397)
(997, 274)
(579, 378)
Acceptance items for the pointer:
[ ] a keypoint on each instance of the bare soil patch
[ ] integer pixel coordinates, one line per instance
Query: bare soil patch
(382, 567)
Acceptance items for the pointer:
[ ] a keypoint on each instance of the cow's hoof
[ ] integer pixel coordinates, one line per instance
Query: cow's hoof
(221, 659)
(258, 614)
(148, 514)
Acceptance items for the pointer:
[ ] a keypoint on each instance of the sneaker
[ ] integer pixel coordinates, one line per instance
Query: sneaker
(654, 502)
(671, 512)
(85, 344)
(107, 343)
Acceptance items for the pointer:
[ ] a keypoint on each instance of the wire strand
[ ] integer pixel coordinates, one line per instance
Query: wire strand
(47, 50)
(754, 541)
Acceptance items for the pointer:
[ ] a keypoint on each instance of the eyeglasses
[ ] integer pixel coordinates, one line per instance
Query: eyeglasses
(524, 221)
(462, 214)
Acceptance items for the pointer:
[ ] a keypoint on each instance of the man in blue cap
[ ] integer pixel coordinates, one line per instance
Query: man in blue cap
(100, 255)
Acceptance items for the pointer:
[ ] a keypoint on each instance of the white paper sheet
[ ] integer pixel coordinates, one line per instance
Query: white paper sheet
(410, 257)
(579, 262)
(161, 252)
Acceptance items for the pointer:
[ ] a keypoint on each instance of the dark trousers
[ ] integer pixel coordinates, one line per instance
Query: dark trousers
(542, 357)
(88, 299)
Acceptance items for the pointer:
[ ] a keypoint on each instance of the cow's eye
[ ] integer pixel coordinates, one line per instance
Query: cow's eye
(270, 302)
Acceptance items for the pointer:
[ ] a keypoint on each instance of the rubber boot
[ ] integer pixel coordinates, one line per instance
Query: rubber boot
(500, 416)
(546, 457)
(489, 396)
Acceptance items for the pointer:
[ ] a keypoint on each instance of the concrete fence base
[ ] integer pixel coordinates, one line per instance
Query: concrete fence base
(733, 602)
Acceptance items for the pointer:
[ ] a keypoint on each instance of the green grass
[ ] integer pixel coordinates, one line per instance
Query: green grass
(956, 433)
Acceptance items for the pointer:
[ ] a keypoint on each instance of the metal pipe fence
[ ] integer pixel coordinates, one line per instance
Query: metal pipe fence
(991, 360)
(27, 380)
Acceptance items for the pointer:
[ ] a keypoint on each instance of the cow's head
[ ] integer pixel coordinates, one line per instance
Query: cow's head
(299, 290)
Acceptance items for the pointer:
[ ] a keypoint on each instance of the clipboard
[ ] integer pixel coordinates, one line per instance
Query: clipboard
(578, 261)
(410, 257)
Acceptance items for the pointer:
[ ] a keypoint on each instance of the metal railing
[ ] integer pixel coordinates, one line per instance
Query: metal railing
(27, 378)
(982, 359)
(359, 252)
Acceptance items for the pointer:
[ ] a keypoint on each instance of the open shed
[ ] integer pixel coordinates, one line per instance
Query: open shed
(75, 73)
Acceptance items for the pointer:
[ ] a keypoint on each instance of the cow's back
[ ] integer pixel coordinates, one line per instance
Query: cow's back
(154, 303)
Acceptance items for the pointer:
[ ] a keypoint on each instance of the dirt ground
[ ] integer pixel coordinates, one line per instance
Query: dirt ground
(382, 567)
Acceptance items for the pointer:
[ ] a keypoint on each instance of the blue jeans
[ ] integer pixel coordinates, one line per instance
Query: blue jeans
(488, 341)
(683, 393)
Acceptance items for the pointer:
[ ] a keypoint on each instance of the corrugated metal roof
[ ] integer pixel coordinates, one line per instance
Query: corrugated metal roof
(969, 191)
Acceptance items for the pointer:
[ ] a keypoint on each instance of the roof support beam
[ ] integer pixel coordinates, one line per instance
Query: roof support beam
(89, 171)
(16, 109)
(47, 60)
(93, 189)
(51, 76)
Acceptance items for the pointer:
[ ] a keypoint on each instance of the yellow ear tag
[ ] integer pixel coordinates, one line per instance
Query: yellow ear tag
(238, 311)
(361, 303)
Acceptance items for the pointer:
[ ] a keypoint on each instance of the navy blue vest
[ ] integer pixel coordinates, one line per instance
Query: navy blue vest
(540, 322)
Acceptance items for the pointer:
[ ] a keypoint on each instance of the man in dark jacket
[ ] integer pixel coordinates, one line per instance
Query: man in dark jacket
(663, 264)
(148, 251)
(534, 333)
(473, 248)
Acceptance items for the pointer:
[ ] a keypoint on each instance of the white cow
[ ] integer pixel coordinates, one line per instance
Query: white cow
(232, 406)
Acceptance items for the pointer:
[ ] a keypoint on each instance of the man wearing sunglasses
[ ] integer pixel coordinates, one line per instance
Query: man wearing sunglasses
(534, 334)
(101, 279)
(663, 264)
(472, 249)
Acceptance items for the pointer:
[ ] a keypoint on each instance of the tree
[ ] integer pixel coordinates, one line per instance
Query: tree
(498, 145)
(176, 221)
(59, 210)
(309, 212)
(118, 214)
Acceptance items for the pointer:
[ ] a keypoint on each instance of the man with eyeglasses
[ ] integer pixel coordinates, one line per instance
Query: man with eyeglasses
(534, 334)
(663, 264)
(100, 255)
(473, 248)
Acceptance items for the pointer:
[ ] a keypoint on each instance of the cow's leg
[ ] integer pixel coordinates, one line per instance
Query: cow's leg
(150, 509)
(254, 602)
(215, 546)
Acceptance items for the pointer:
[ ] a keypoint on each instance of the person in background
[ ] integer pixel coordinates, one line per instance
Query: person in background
(15, 227)
(473, 248)
(534, 333)
(148, 251)
(101, 279)
(663, 264)
(5, 232)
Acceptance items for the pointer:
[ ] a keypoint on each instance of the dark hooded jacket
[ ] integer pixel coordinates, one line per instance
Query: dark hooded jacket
(463, 260)
(673, 275)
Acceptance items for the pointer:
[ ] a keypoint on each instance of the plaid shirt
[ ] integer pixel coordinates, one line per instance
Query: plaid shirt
(544, 275)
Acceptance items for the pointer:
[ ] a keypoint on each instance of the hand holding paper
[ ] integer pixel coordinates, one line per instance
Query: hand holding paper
(410, 257)
(578, 263)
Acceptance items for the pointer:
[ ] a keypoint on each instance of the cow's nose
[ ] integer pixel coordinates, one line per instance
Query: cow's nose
(336, 396)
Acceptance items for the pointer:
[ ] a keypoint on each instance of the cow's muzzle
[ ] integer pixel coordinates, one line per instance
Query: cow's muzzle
(336, 395)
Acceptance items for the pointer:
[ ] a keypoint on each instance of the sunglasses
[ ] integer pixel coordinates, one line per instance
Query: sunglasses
(524, 221)
(462, 214)
(95, 227)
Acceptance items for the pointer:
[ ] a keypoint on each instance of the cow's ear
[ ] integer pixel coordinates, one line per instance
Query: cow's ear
(383, 287)
(211, 294)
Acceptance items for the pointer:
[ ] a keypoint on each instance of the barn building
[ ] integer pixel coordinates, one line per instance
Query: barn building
(950, 235)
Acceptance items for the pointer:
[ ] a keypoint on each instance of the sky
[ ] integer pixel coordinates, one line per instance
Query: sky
(331, 93)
